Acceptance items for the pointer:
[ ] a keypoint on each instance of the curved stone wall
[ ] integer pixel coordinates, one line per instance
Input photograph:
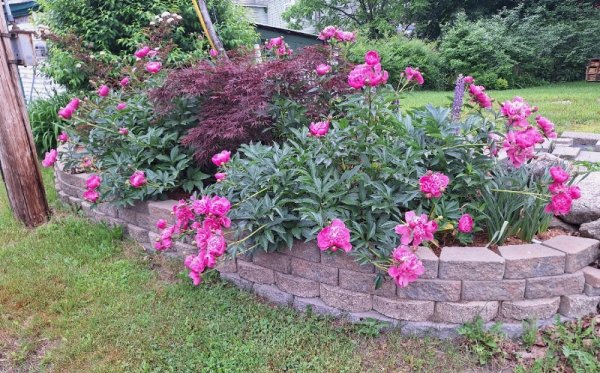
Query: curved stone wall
(534, 281)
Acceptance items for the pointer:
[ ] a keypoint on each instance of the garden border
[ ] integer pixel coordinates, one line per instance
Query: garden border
(537, 281)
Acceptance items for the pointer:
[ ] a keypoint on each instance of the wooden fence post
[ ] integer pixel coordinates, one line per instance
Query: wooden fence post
(18, 158)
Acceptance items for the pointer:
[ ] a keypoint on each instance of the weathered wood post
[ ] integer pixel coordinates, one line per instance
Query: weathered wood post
(18, 158)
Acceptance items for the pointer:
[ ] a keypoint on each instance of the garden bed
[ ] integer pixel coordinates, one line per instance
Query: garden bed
(533, 281)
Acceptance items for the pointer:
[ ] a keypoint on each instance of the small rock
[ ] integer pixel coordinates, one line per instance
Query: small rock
(557, 223)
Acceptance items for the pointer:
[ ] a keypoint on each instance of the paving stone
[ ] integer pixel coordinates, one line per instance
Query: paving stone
(136, 233)
(597, 146)
(587, 156)
(236, 280)
(357, 317)
(314, 271)
(273, 260)
(255, 273)
(430, 329)
(563, 141)
(273, 294)
(582, 138)
(580, 251)
(590, 229)
(463, 312)
(578, 305)
(591, 291)
(430, 262)
(345, 299)
(493, 290)
(566, 152)
(304, 250)
(296, 285)
(544, 308)
(316, 305)
(432, 289)
(345, 261)
(592, 276)
(365, 283)
(523, 261)
(470, 263)
(546, 287)
(403, 309)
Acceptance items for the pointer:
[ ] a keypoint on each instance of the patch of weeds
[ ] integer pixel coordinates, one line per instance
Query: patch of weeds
(530, 333)
(485, 344)
(370, 327)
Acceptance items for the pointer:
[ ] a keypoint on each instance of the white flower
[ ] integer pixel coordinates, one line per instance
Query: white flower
(165, 14)
(78, 66)
(152, 23)
(170, 20)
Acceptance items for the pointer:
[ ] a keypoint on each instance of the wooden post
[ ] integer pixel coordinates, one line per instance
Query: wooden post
(208, 27)
(18, 158)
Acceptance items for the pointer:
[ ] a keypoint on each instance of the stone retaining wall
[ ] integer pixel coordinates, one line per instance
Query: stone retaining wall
(536, 281)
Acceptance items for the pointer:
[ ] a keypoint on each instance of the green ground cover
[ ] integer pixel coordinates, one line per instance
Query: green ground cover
(571, 106)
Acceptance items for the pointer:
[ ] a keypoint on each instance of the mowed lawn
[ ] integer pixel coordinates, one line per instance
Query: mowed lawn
(75, 297)
(571, 106)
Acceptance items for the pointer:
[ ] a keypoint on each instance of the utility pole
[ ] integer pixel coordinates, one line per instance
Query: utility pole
(18, 157)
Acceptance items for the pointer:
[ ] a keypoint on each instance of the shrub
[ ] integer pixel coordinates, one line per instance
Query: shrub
(241, 100)
(45, 126)
(397, 52)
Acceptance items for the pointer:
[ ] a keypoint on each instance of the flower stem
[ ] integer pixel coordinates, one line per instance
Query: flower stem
(536, 195)
(252, 196)
(250, 235)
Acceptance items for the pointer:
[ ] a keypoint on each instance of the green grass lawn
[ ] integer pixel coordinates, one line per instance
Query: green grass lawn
(76, 297)
(571, 106)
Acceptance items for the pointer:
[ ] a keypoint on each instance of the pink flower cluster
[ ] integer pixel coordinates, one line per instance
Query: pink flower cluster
(332, 32)
(406, 266)
(152, 67)
(562, 194)
(68, 111)
(318, 129)
(50, 158)
(92, 184)
(221, 158)
(479, 96)
(416, 229)
(368, 74)
(521, 138)
(278, 46)
(334, 236)
(433, 184)
(204, 219)
(414, 74)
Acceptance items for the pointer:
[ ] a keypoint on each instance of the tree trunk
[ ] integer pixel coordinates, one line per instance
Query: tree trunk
(18, 158)
(210, 29)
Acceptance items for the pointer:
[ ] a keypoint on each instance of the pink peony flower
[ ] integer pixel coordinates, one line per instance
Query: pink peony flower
(517, 111)
(318, 129)
(517, 154)
(365, 74)
(66, 112)
(220, 176)
(465, 223)
(528, 137)
(196, 278)
(478, 94)
(161, 224)
(372, 58)
(124, 131)
(50, 158)
(184, 215)
(63, 137)
(216, 245)
(574, 192)
(348, 36)
(213, 52)
(559, 175)
(468, 79)
(560, 204)
(414, 74)
(416, 230)
(221, 158)
(91, 195)
(323, 69)
(201, 206)
(87, 163)
(219, 206)
(74, 103)
(142, 52)
(137, 179)
(153, 67)
(407, 266)
(547, 127)
(93, 182)
(103, 91)
(433, 184)
(124, 82)
(275, 43)
(334, 236)
(327, 33)
(215, 223)
(121, 106)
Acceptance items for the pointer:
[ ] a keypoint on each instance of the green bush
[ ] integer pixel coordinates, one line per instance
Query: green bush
(399, 52)
(45, 126)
